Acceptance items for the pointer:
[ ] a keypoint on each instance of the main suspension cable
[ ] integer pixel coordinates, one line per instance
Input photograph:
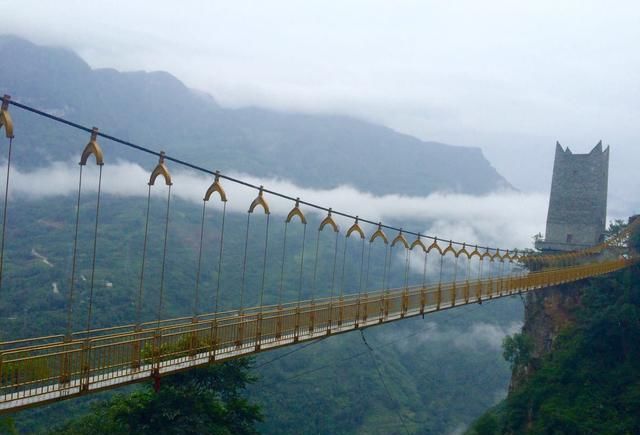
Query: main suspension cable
(210, 172)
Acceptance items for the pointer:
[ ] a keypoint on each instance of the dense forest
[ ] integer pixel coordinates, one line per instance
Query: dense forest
(209, 400)
(590, 382)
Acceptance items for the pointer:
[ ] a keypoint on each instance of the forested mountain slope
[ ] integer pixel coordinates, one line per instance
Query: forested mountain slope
(444, 369)
(588, 382)
(157, 110)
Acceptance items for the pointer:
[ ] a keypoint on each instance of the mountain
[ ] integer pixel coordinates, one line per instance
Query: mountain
(157, 110)
(444, 370)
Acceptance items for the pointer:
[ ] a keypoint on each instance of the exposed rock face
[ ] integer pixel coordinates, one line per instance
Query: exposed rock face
(546, 313)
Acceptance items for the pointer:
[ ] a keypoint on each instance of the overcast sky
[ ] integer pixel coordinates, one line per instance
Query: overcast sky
(509, 77)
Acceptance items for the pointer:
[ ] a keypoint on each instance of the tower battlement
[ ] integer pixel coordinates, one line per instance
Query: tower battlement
(578, 201)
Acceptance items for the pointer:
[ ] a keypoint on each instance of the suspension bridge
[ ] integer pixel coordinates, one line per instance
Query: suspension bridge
(433, 274)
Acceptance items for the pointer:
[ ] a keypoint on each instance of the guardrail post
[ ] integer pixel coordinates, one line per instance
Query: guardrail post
(157, 348)
(423, 299)
(279, 323)
(240, 335)
(193, 338)
(136, 350)
(258, 331)
(213, 340)
(386, 306)
(65, 366)
(439, 296)
(85, 365)
(405, 303)
(366, 308)
(296, 326)
(453, 294)
(330, 317)
(312, 318)
(340, 312)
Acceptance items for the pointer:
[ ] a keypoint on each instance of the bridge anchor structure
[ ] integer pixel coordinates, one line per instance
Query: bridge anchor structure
(43, 369)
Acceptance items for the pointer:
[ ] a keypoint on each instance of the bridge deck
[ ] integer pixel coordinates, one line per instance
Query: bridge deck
(49, 369)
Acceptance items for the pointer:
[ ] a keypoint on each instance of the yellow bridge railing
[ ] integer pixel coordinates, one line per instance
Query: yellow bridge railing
(45, 369)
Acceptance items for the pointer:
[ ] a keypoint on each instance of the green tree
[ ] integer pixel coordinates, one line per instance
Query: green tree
(202, 401)
(517, 350)
(589, 383)
(7, 426)
(486, 425)
(616, 227)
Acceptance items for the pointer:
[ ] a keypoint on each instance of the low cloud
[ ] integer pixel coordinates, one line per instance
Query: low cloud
(458, 430)
(477, 336)
(506, 219)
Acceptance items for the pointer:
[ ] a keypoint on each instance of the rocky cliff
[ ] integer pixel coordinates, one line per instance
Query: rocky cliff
(547, 312)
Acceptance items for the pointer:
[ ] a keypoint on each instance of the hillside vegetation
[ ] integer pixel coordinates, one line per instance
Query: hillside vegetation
(590, 382)
(443, 371)
(157, 110)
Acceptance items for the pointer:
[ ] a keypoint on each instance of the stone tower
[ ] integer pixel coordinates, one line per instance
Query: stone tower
(578, 202)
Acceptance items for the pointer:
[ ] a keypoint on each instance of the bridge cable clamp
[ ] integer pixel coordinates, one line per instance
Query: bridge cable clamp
(5, 117)
(92, 148)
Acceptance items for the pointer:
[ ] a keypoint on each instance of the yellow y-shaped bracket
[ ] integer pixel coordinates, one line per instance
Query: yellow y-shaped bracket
(259, 201)
(161, 169)
(92, 148)
(295, 211)
(216, 188)
(5, 118)
(418, 242)
(450, 249)
(464, 251)
(355, 227)
(379, 233)
(328, 221)
(400, 239)
(435, 246)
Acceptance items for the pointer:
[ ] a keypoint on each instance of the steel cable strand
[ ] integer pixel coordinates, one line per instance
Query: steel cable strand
(4, 210)
(226, 177)
(164, 257)
(95, 248)
(73, 262)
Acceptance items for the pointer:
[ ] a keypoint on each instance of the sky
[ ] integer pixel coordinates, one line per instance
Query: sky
(509, 77)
